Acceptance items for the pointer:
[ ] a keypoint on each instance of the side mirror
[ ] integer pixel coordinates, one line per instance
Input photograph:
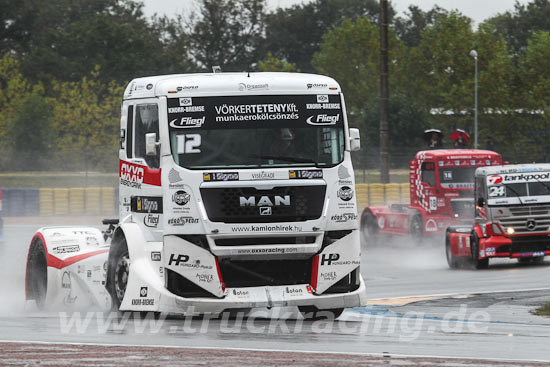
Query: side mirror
(354, 139)
(480, 202)
(151, 144)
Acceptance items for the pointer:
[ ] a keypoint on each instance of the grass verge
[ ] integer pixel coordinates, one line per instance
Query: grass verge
(543, 311)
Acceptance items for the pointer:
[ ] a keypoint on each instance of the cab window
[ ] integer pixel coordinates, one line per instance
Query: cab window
(428, 173)
(146, 121)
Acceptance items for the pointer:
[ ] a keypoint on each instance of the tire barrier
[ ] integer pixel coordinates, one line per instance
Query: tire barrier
(104, 200)
(20, 202)
(381, 194)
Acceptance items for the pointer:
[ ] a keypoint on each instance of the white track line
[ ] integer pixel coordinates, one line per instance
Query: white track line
(384, 354)
(465, 293)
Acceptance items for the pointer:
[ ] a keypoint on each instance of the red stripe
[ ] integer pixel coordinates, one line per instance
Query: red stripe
(57, 263)
(220, 275)
(314, 271)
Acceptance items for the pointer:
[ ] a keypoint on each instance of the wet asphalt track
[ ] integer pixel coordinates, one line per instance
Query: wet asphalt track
(487, 326)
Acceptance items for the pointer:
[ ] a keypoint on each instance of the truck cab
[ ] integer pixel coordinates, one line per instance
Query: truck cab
(512, 217)
(236, 190)
(441, 190)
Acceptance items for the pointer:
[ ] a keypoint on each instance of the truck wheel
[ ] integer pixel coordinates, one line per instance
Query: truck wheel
(415, 229)
(37, 274)
(313, 313)
(451, 260)
(118, 271)
(369, 227)
(478, 264)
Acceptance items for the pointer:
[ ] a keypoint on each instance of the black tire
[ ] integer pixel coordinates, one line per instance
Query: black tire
(37, 274)
(117, 272)
(416, 230)
(313, 313)
(451, 260)
(476, 262)
(369, 228)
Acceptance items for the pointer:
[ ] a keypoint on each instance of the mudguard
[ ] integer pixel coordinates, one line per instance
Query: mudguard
(66, 267)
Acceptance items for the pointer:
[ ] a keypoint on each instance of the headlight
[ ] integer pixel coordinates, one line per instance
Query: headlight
(510, 230)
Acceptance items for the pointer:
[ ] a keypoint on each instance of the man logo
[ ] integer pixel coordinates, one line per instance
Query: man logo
(265, 210)
(531, 224)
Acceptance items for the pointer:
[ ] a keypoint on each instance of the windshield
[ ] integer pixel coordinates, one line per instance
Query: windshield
(456, 177)
(518, 188)
(256, 131)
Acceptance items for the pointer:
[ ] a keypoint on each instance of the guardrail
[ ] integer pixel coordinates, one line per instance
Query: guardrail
(104, 200)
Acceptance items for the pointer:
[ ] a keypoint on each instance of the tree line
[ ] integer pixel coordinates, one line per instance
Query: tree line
(64, 65)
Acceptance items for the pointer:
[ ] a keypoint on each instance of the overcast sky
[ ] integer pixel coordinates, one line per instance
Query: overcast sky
(478, 10)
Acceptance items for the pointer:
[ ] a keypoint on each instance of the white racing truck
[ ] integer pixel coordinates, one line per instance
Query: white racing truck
(236, 191)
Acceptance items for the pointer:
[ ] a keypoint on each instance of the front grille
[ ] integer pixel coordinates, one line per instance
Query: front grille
(257, 273)
(528, 219)
(250, 205)
(247, 241)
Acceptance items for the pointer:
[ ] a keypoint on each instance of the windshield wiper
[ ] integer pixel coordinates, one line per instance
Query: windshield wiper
(515, 193)
(543, 184)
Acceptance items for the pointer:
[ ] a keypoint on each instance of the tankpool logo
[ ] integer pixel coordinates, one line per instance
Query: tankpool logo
(494, 180)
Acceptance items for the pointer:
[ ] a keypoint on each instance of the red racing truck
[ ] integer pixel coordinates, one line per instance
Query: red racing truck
(512, 217)
(441, 191)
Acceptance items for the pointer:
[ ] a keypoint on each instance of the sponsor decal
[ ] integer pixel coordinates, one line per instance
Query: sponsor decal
(221, 176)
(143, 292)
(294, 291)
(343, 173)
(329, 258)
(149, 86)
(316, 85)
(181, 197)
(134, 175)
(66, 280)
(156, 256)
(305, 174)
(345, 193)
(333, 259)
(343, 218)
(177, 259)
(275, 250)
(494, 180)
(151, 220)
(489, 251)
(240, 293)
(186, 109)
(263, 175)
(328, 276)
(181, 221)
(186, 101)
(143, 302)
(174, 176)
(431, 225)
(66, 249)
(268, 228)
(323, 119)
(92, 241)
(322, 98)
(89, 274)
(187, 122)
(146, 204)
(204, 278)
(80, 233)
(246, 86)
(187, 87)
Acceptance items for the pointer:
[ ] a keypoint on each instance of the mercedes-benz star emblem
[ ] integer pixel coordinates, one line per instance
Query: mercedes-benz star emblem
(531, 224)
